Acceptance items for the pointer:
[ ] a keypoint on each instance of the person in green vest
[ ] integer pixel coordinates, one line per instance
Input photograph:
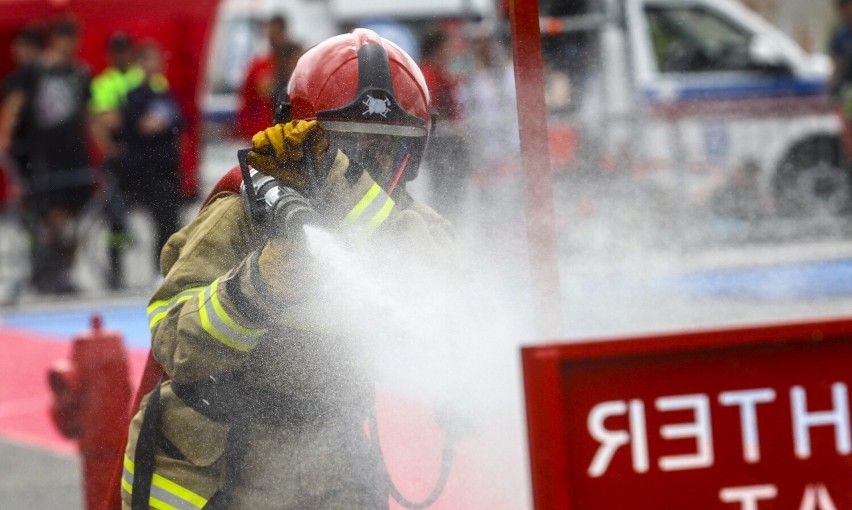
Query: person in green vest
(108, 97)
(151, 125)
(109, 92)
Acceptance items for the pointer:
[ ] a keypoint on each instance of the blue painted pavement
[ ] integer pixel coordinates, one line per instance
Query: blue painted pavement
(130, 320)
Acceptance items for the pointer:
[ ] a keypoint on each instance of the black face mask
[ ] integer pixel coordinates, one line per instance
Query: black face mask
(385, 157)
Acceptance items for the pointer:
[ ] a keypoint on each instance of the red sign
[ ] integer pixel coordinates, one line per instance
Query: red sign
(751, 419)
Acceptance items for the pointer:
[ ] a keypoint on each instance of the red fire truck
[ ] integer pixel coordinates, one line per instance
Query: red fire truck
(181, 28)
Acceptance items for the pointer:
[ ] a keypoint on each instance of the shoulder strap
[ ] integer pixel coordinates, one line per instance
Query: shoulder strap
(146, 445)
(236, 445)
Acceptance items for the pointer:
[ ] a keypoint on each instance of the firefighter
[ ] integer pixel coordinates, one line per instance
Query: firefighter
(265, 403)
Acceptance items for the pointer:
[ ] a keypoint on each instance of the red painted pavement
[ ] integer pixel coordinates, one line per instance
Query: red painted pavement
(411, 440)
(24, 394)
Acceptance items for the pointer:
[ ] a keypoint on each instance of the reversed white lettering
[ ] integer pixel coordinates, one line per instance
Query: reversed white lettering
(803, 420)
(700, 429)
(748, 497)
(747, 400)
(611, 440)
(817, 498)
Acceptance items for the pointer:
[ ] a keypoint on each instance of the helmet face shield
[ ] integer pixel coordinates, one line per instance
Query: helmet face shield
(386, 157)
(370, 97)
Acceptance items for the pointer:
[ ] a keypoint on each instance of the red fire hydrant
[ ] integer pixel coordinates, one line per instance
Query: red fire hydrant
(91, 397)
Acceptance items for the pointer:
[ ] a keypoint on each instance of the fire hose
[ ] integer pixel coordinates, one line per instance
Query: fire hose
(447, 454)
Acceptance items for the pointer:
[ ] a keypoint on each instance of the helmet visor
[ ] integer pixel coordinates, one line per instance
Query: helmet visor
(386, 157)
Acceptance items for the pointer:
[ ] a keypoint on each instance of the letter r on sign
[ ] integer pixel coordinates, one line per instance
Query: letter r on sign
(611, 440)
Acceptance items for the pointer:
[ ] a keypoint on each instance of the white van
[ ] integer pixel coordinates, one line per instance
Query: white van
(683, 91)
(238, 33)
(679, 92)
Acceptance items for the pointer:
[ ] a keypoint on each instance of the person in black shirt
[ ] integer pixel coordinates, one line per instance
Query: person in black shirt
(151, 124)
(55, 91)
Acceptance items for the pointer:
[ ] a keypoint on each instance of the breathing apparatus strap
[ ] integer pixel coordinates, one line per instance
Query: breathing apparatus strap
(150, 437)
(236, 444)
(146, 444)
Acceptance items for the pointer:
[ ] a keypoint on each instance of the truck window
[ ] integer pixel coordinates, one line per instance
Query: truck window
(237, 40)
(694, 39)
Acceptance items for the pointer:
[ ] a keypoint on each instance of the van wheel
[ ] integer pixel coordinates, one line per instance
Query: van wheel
(813, 181)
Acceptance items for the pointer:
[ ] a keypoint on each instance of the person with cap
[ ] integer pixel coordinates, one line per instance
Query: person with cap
(266, 397)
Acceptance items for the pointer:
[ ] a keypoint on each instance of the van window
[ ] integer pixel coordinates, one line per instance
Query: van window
(694, 39)
(237, 40)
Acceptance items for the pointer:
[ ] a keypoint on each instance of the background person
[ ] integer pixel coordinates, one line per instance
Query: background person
(57, 88)
(266, 77)
(447, 156)
(491, 117)
(109, 94)
(15, 109)
(151, 126)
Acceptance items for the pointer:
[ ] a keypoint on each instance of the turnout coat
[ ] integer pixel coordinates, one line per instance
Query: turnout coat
(261, 396)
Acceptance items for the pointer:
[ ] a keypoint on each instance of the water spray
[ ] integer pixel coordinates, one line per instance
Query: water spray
(267, 200)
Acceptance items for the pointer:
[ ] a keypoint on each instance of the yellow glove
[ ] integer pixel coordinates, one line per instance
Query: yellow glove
(286, 270)
(279, 151)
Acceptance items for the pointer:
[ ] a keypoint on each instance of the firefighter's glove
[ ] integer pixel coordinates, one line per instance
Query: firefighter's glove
(279, 151)
(285, 268)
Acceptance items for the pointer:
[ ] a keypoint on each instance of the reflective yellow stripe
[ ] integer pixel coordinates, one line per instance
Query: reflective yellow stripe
(220, 311)
(370, 212)
(365, 201)
(380, 216)
(127, 485)
(165, 494)
(209, 314)
(158, 310)
(181, 492)
(212, 331)
(160, 505)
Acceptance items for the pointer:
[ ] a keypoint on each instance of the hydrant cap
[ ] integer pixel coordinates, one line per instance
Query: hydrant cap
(97, 322)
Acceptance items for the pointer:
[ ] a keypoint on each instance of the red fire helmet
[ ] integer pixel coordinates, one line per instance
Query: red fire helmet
(361, 83)
(361, 78)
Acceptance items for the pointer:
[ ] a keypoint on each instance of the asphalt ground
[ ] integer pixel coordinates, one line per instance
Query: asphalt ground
(38, 479)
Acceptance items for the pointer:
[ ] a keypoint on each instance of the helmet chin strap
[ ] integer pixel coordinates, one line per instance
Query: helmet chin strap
(400, 163)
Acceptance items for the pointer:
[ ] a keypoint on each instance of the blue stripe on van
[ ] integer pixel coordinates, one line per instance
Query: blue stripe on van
(742, 89)
(806, 280)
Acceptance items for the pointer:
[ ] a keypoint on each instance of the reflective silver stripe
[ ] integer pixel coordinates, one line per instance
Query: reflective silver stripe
(165, 494)
(216, 321)
(370, 212)
(158, 309)
(372, 128)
